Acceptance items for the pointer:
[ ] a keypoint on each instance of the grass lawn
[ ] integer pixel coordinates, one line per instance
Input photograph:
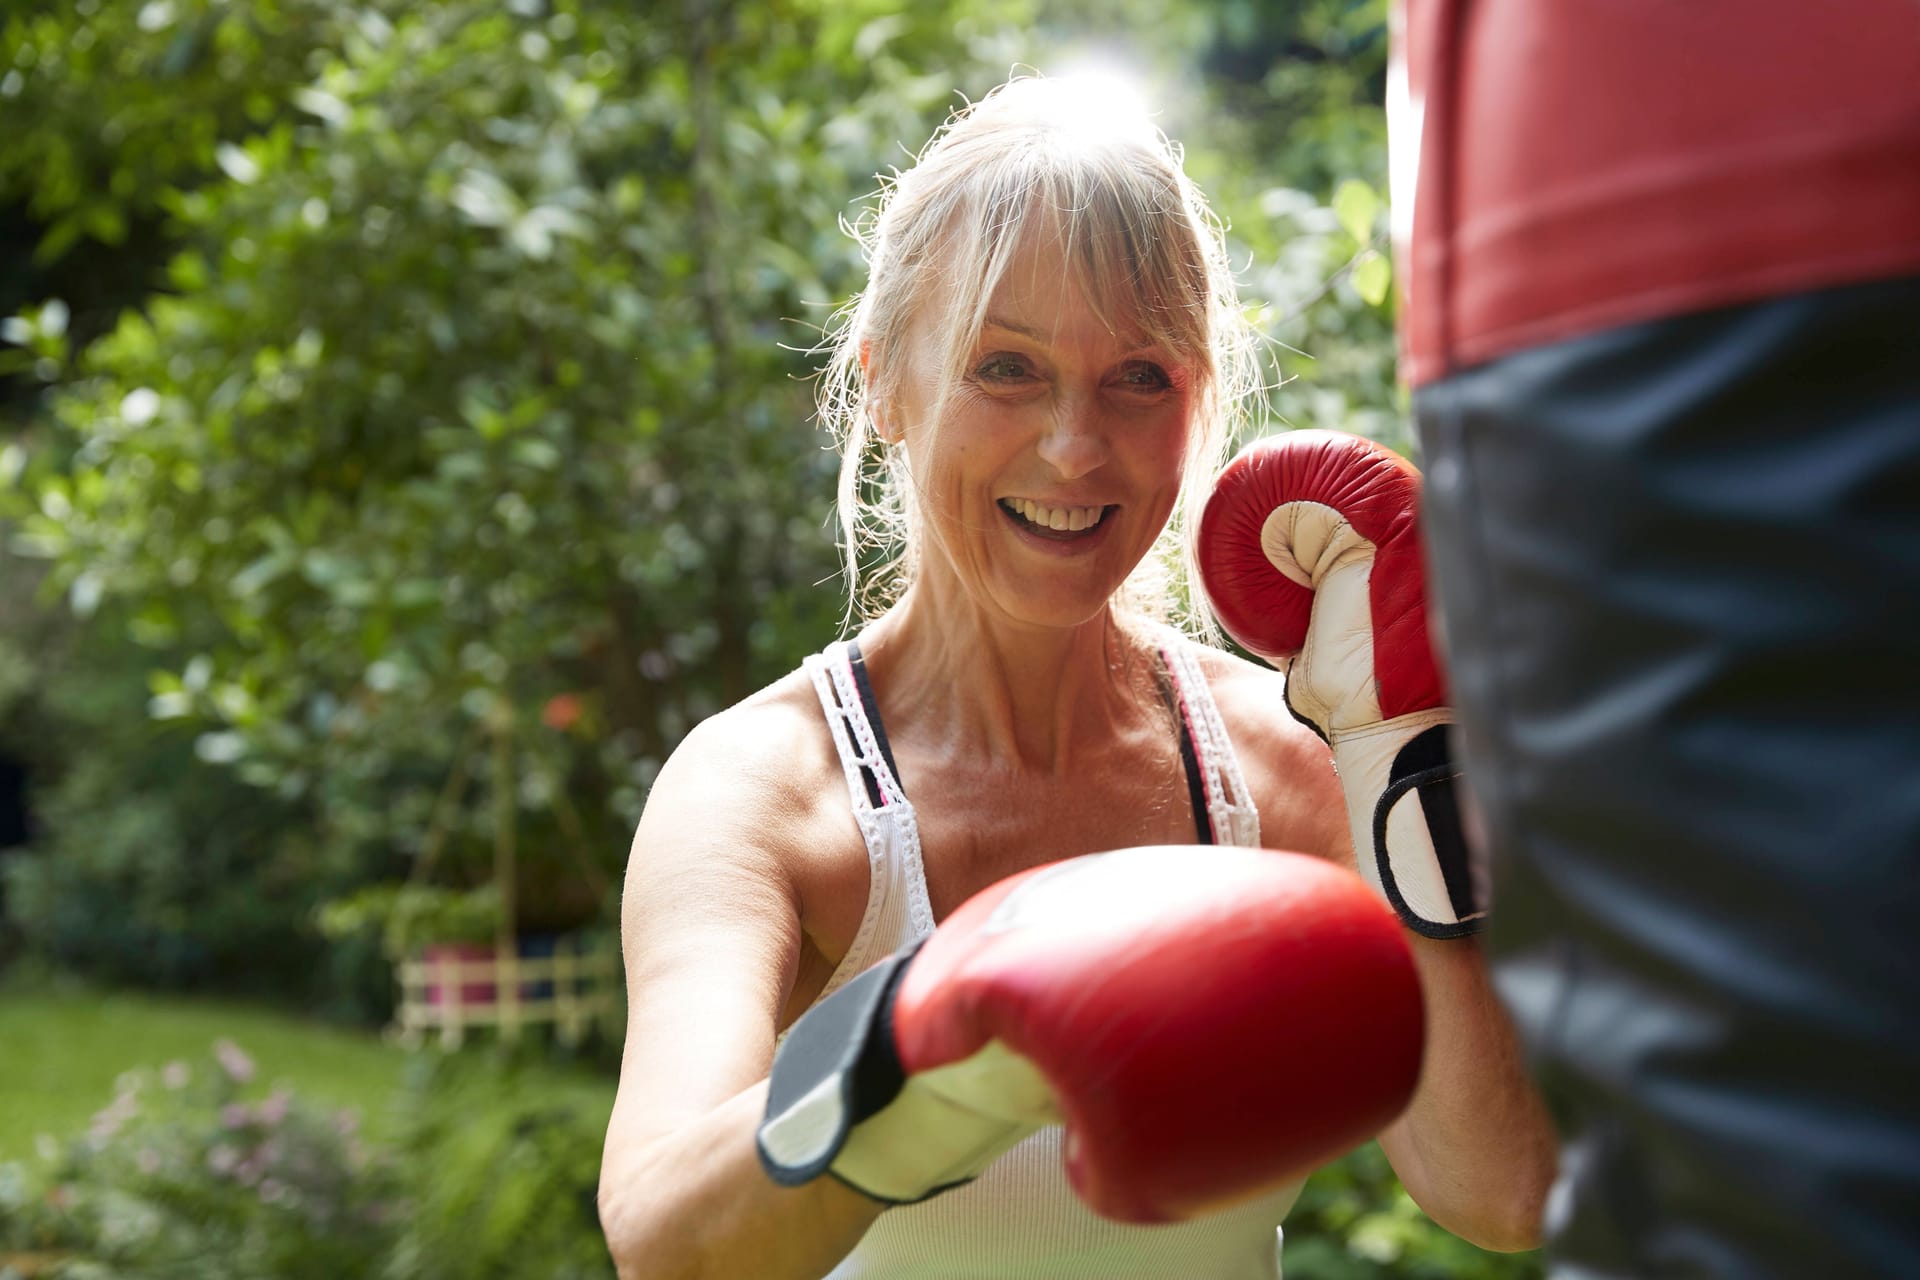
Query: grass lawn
(63, 1047)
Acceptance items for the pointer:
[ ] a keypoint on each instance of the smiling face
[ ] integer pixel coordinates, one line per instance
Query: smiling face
(1116, 330)
(1047, 463)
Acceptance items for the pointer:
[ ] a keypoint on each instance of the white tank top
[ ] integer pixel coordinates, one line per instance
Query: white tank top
(1020, 1220)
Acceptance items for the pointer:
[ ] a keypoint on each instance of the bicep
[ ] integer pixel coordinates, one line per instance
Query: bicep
(710, 933)
(1288, 769)
(1302, 806)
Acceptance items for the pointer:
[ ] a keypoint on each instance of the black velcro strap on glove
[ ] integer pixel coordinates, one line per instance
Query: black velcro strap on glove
(837, 1067)
(1424, 774)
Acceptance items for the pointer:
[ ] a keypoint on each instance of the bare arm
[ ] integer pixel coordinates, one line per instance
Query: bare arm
(1476, 1149)
(695, 1203)
(711, 932)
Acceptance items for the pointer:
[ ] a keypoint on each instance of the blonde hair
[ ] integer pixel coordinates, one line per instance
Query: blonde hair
(1033, 155)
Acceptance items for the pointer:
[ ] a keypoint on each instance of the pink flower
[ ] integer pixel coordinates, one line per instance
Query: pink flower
(273, 1108)
(233, 1060)
(175, 1075)
(223, 1159)
(109, 1119)
(236, 1115)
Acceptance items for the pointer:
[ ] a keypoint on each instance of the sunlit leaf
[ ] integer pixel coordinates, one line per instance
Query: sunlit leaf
(1373, 277)
(1357, 205)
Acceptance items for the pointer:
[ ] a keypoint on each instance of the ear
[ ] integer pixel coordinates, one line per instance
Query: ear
(878, 412)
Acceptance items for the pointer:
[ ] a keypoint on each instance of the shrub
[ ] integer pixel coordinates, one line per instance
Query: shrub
(193, 1172)
(185, 1175)
(1355, 1222)
(150, 866)
(499, 1177)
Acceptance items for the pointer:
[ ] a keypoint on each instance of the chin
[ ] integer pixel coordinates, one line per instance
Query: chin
(1056, 610)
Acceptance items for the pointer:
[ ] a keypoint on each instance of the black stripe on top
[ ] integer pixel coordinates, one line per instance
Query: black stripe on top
(865, 686)
(1189, 754)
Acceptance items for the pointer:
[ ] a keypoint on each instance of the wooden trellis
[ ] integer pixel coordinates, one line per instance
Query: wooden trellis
(448, 994)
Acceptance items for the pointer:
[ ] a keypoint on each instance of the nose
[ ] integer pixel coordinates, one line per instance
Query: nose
(1075, 441)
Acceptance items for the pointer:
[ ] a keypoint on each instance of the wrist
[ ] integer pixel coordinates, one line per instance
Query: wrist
(1403, 812)
(840, 1102)
(945, 1127)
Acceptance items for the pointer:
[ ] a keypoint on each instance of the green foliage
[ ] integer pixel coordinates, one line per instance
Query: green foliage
(487, 1172)
(183, 1175)
(153, 866)
(407, 916)
(499, 1179)
(131, 100)
(1354, 1222)
(477, 388)
(193, 1170)
(40, 346)
(68, 1042)
(1292, 146)
(469, 393)
(475, 385)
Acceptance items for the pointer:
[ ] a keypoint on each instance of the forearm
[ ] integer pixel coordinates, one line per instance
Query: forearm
(697, 1204)
(1476, 1147)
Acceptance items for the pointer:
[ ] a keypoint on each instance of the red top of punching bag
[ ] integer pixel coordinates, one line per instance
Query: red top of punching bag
(1583, 164)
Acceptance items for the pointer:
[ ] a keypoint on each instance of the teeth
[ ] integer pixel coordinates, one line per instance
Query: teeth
(1066, 519)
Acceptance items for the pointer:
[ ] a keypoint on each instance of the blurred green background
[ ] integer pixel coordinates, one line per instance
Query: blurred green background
(405, 437)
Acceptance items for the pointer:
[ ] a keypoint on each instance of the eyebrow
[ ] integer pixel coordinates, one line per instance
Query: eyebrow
(1025, 331)
(1142, 343)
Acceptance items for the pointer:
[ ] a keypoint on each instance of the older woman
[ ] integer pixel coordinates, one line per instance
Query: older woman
(1044, 362)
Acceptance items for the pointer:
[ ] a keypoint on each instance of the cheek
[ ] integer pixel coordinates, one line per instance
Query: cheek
(1162, 453)
(945, 465)
(947, 458)
(963, 450)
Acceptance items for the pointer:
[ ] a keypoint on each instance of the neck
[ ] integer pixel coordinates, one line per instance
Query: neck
(982, 686)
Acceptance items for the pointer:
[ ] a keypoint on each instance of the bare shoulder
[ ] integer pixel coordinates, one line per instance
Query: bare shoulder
(764, 753)
(1287, 767)
(744, 786)
(1252, 702)
(719, 880)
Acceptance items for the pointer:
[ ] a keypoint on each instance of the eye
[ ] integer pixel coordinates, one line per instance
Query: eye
(1144, 375)
(1002, 366)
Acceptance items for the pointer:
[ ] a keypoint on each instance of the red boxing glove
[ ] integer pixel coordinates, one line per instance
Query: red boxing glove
(1309, 550)
(1208, 1023)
